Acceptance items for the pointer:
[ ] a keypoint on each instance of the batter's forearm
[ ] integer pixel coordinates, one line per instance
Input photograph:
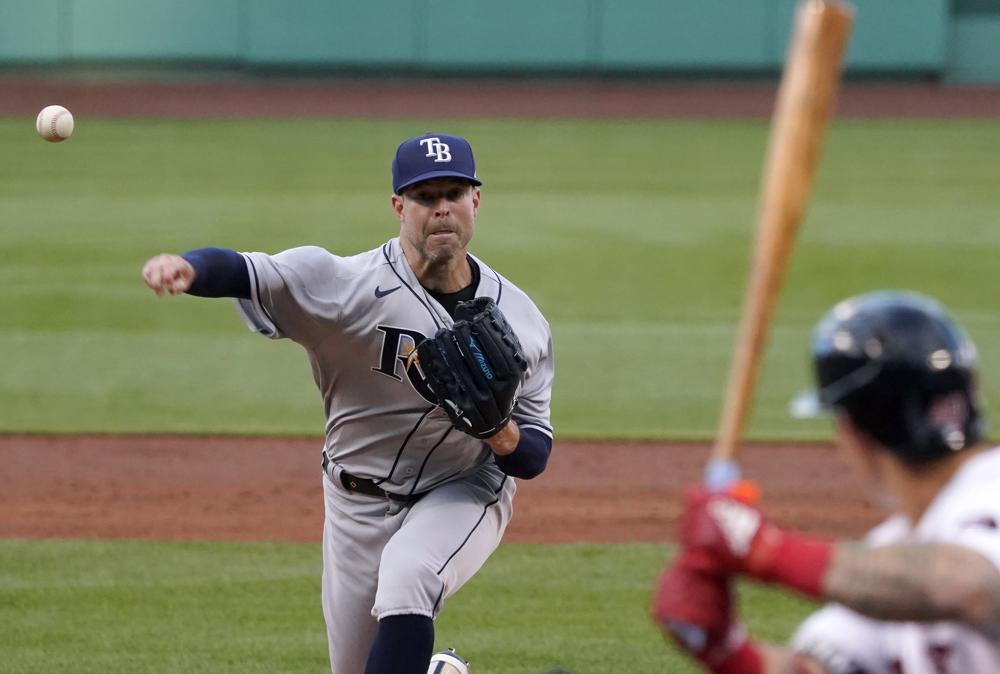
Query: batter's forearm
(915, 581)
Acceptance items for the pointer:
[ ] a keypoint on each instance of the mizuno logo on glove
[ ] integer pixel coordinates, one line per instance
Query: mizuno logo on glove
(477, 353)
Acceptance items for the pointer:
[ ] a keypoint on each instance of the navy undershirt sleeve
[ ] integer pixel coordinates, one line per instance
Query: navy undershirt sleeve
(219, 272)
(529, 458)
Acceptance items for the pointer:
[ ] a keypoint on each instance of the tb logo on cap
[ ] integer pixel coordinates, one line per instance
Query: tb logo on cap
(435, 148)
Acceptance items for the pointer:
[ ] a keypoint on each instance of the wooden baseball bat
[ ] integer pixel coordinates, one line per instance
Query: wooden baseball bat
(805, 101)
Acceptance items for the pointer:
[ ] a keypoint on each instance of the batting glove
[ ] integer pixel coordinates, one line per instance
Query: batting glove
(694, 610)
(725, 536)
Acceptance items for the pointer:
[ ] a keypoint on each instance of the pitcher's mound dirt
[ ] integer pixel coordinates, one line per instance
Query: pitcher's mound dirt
(269, 489)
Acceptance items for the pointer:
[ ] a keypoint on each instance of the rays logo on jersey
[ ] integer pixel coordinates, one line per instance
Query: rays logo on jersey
(397, 345)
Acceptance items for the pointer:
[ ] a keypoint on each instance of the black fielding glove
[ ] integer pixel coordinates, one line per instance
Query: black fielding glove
(474, 368)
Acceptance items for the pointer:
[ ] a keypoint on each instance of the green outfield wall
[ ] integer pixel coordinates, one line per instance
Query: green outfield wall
(953, 40)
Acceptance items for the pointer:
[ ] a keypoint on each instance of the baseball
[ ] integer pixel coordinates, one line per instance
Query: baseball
(54, 123)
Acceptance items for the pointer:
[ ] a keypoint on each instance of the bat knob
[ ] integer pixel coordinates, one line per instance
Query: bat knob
(721, 473)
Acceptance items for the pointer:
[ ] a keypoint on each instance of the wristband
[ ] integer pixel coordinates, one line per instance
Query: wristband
(800, 563)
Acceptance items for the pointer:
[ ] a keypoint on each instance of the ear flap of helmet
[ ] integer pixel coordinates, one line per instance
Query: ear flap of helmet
(942, 423)
(902, 370)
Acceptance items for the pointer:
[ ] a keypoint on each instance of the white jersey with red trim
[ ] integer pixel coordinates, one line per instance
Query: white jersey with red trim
(966, 513)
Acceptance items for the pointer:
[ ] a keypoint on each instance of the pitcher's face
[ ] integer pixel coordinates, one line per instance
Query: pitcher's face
(437, 217)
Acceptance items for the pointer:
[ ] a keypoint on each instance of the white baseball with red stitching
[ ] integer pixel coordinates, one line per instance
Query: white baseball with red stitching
(54, 123)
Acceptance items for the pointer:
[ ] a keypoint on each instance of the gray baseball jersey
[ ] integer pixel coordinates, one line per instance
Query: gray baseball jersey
(359, 318)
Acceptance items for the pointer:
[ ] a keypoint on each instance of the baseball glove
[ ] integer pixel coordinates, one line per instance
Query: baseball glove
(474, 368)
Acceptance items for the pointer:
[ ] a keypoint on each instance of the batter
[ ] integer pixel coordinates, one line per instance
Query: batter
(921, 595)
(413, 506)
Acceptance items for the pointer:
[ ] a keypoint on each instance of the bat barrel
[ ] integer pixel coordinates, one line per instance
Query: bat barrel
(804, 105)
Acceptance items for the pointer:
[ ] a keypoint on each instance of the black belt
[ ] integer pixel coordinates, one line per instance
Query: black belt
(363, 485)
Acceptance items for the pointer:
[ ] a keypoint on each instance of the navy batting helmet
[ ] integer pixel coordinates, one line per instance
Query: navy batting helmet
(901, 369)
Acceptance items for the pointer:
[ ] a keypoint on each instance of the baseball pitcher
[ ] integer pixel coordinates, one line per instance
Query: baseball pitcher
(436, 376)
(921, 595)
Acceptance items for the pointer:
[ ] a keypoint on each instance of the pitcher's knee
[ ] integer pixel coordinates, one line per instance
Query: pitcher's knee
(408, 588)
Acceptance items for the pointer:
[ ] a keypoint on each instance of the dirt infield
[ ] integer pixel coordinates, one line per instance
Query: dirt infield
(269, 489)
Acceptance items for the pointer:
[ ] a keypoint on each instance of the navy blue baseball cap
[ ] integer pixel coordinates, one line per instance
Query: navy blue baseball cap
(432, 155)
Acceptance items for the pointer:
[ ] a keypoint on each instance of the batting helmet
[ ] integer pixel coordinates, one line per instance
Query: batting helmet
(902, 370)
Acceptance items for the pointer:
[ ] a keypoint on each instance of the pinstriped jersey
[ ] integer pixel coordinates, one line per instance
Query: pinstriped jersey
(359, 318)
(967, 513)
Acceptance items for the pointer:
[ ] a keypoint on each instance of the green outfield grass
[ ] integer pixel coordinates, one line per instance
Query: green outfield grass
(632, 236)
(110, 607)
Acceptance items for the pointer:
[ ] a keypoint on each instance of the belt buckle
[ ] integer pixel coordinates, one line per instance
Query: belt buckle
(359, 485)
